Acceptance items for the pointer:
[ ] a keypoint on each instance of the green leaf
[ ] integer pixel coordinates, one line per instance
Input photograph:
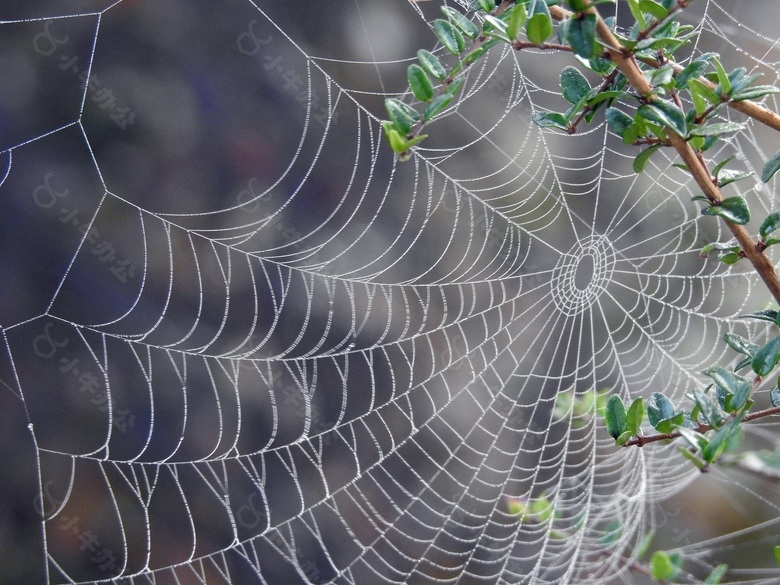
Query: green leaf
(732, 209)
(394, 139)
(636, 12)
(692, 458)
(771, 167)
(539, 27)
(728, 176)
(653, 8)
(766, 315)
(581, 35)
(641, 159)
(419, 82)
(693, 70)
(664, 113)
(752, 93)
(661, 76)
(661, 566)
(618, 121)
(716, 575)
(702, 96)
(487, 5)
(710, 412)
(463, 24)
(774, 395)
(450, 37)
(730, 258)
(739, 80)
(777, 554)
(436, 105)
(766, 358)
(517, 18)
(578, 5)
(669, 425)
(612, 533)
(717, 129)
(730, 246)
(731, 383)
(740, 344)
(723, 78)
(542, 509)
(431, 64)
(607, 96)
(635, 415)
(719, 167)
(644, 546)
(454, 87)
(574, 85)
(615, 416)
(516, 506)
(623, 438)
(402, 115)
(398, 143)
(720, 440)
(472, 56)
(770, 224)
(659, 407)
(550, 120)
(695, 439)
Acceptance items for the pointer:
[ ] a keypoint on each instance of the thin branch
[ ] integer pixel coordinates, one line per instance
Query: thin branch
(640, 440)
(520, 45)
(624, 60)
(747, 107)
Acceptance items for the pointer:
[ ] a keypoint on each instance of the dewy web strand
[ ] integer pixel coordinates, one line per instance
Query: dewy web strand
(244, 344)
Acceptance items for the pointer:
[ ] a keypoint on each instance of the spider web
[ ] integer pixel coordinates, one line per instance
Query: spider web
(243, 344)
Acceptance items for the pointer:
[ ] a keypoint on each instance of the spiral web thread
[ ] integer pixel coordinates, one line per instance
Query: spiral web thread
(243, 344)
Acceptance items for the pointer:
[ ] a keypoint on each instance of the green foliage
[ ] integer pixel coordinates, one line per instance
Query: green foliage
(664, 565)
(771, 167)
(732, 209)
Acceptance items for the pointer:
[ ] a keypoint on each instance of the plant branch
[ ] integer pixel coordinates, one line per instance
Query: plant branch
(520, 45)
(747, 107)
(640, 440)
(624, 60)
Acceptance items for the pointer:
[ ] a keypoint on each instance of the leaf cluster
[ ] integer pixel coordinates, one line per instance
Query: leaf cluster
(714, 423)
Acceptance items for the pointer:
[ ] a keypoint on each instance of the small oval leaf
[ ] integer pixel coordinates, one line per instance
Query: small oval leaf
(419, 82)
(770, 224)
(659, 408)
(774, 395)
(635, 415)
(732, 209)
(539, 27)
(467, 27)
(766, 358)
(615, 416)
(641, 159)
(550, 120)
(664, 113)
(402, 115)
(661, 567)
(618, 121)
(436, 105)
(450, 37)
(771, 167)
(581, 35)
(517, 19)
(574, 84)
(431, 64)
